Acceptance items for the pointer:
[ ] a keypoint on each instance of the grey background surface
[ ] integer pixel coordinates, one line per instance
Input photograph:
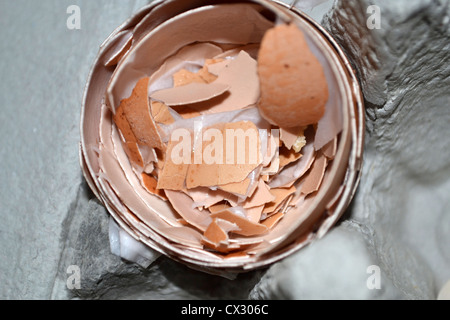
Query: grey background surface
(50, 220)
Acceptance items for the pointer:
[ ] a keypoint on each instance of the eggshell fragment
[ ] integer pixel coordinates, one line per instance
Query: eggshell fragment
(254, 213)
(215, 234)
(239, 188)
(193, 92)
(229, 170)
(122, 43)
(150, 184)
(161, 113)
(205, 197)
(289, 135)
(216, 68)
(288, 156)
(184, 77)
(261, 196)
(247, 228)
(130, 141)
(137, 112)
(280, 195)
(271, 221)
(242, 78)
(219, 207)
(294, 89)
(182, 203)
(330, 149)
(173, 175)
(313, 179)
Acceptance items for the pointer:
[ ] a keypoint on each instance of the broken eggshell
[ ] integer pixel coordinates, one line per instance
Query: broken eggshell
(168, 36)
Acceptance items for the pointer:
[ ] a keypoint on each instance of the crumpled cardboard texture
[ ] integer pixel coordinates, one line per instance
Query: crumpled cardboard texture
(399, 219)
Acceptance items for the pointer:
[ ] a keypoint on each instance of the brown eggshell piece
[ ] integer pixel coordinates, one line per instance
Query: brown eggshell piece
(247, 228)
(137, 112)
(182, 203)
(150, 184)
(294, 89)
(227, 172)
(240, 188)
(161, 113)
(288, 156)
(271, 221)
(219, 207)
(173, 175)
(215, 234)
(314, 177)
(280, 195)
(260, 197)
(130, 143)
(254, 213)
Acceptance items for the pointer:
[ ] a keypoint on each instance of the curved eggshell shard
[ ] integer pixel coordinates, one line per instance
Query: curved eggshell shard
(182, 203)
(122, 43)
(137, 112)
(183, 235)
(246, 227)
(294, 88)
(313, 179)
(260, 197)
(191, 93)
(173, 174)
(215, 233)
(280, 194)
(133, 182)
(240, 74)
(271, 221)
(150, 184)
